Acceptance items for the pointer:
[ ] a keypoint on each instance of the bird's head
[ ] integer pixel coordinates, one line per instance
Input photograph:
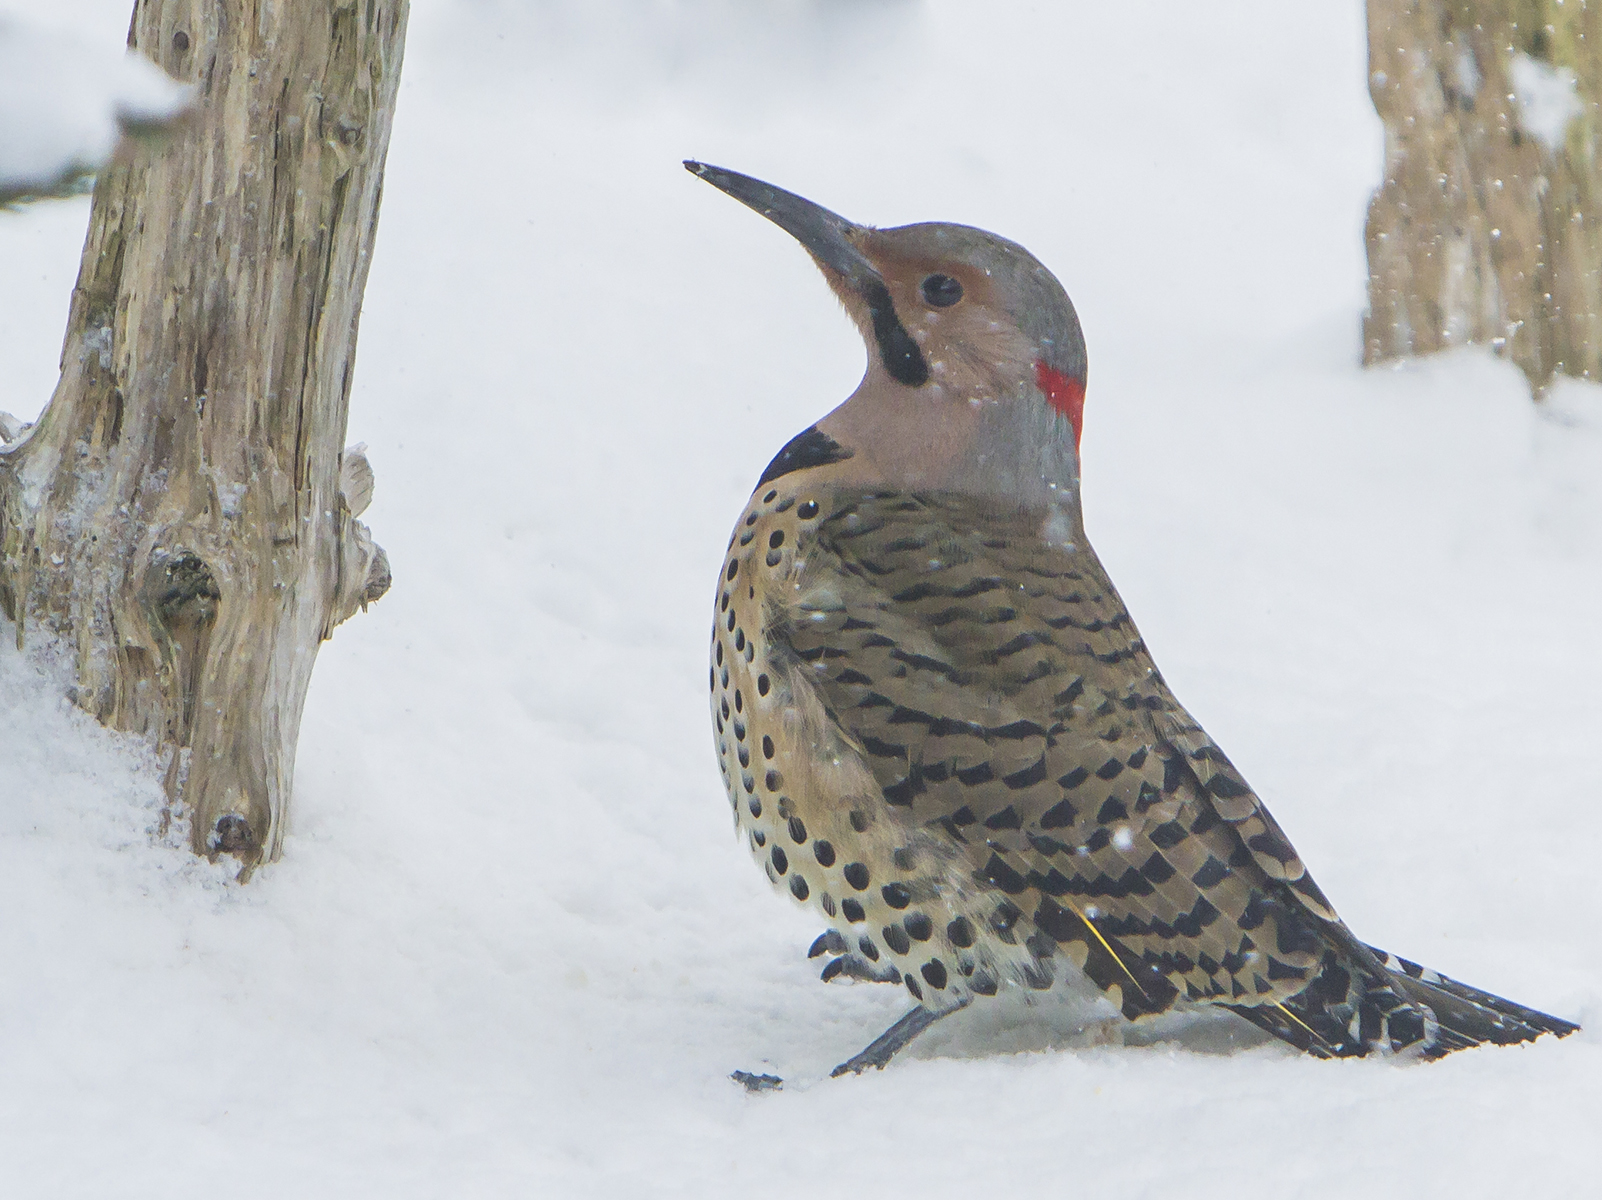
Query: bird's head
(976, 364)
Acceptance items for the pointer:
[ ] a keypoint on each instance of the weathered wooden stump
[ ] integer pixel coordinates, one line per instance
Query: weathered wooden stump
(1488, 228)
(182, 514)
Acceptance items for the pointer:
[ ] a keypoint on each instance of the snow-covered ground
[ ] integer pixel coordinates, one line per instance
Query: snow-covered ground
(513, 948)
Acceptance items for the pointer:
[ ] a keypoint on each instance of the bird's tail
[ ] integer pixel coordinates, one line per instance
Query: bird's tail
(1364, 1000)
(1468, 1016)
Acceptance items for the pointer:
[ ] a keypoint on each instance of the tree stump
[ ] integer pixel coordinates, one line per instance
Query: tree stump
(177, 515)
(1488, 227)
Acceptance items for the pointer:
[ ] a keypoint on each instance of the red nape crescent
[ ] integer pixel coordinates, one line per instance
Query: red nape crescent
(1066, 395)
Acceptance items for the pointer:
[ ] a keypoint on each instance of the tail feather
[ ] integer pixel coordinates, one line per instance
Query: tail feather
(1503, 1020)
(1364, 1001)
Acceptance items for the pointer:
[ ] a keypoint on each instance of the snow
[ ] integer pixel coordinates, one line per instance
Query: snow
(63, 97)
(1546, 97)
(1468, 73)
(513, 948)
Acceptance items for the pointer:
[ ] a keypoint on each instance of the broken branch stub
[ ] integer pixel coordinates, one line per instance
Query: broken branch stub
(1488, 227)
(177, 514)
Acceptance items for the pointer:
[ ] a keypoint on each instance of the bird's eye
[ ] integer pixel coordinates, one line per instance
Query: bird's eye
(942, 291)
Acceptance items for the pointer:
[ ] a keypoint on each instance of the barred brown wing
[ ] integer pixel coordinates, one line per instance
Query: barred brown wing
(987, 672)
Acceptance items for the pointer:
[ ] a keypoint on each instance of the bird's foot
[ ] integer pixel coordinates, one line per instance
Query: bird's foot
(854, 966)
(883, 1048)
(828, 942)
(847, 964)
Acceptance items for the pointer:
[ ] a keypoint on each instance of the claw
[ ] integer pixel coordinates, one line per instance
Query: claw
(854, 966)
(828, 942)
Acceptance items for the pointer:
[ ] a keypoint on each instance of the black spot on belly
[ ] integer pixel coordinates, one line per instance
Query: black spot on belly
(869, 950)
(934, 973)
(798, 886)
(823, 851)
(960, 932)
(1003, 919)
(781, 864)
(896, 938)
(918, 926)
(896, 895)
(856, 875)
(852, 911)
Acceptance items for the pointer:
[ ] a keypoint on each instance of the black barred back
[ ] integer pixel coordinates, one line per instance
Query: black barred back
(1001, 695)
(961, 751)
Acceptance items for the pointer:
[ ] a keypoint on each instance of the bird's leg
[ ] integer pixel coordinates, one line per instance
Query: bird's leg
(884, 1047)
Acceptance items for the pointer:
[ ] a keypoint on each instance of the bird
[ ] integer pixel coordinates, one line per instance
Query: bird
(939, 727)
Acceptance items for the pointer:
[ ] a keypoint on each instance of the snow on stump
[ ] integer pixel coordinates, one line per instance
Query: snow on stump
(65, 103)
(1488, 227)
(182, 515)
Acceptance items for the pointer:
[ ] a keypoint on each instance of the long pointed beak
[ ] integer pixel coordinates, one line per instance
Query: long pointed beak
(829, 237)
(826, 234)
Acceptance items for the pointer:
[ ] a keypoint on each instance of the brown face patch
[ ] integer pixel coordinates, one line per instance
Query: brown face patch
(974, 349)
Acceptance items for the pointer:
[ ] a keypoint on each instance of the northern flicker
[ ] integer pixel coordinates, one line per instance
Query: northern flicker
(939, 727)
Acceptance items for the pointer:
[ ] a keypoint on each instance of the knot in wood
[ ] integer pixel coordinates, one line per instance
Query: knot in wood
(188, 594)
(233, 835)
